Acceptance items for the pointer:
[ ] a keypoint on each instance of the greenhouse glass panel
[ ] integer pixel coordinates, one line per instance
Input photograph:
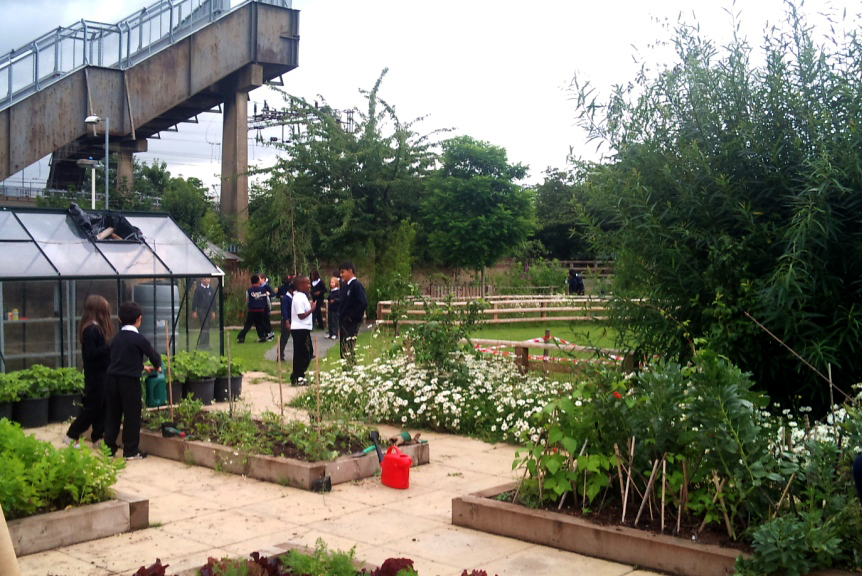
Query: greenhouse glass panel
(10, 229)
(132, 259)
(23, 260)
(175, 249)
(71, 254)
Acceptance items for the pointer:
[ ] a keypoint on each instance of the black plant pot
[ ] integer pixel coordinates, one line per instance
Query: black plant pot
(202, 390)
(6, 410)
(221, 387)
(31, 412)
(177, 396)
(62, 407)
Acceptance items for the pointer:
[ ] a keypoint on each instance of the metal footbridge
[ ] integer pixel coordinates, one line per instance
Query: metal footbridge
(163, 65)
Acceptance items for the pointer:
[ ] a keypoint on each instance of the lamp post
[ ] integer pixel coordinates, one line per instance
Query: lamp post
(93, 165)
(95, 120)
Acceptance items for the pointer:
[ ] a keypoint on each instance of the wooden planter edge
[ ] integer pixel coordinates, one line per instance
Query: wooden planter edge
(479, 511)
(288, 471)
(53, 530)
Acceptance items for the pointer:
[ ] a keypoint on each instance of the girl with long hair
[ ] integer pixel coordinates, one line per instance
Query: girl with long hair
(94, 333)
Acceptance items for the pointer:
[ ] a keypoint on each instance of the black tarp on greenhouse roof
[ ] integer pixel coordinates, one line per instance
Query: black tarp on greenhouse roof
(47, 244)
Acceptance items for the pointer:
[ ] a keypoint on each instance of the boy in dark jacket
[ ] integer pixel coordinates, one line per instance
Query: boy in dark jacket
(123, 399)
(351, 310)
(286, 304)
(256, 299)
(332, 310)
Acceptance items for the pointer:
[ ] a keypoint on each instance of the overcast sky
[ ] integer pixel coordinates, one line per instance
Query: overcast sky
(496, 70)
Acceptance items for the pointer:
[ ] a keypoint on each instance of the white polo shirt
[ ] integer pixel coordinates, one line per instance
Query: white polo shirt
(300, 306)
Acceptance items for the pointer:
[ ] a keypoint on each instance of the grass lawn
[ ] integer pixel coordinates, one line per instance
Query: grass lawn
(368, 347)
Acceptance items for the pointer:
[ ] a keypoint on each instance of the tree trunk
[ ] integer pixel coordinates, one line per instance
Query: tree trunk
(482, 275)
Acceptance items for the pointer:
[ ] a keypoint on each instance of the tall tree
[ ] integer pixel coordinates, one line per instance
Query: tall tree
(736, 189)
(558, 224)
(475, 213)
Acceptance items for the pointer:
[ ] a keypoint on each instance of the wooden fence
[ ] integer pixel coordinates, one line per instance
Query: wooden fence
(511, 309)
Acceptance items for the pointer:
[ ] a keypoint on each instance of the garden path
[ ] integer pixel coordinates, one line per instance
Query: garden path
(196, 513)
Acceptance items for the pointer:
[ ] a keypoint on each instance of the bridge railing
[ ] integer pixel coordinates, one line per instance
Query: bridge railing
(52, 56)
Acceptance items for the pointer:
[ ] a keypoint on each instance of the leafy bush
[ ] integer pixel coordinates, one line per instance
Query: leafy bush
(9, 387)
(35, 477)
(37, 381)
(728, 460)
(437, 339)
(68, 381)
(195, 365)
(236, 367)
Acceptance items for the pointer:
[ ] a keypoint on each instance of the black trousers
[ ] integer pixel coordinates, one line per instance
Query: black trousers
(267, 319)
(317, 315)
(205, 318)
(303, 350)
(282, 342)
(254, 318)
(123, 405)
(93, 407)
(347, 333)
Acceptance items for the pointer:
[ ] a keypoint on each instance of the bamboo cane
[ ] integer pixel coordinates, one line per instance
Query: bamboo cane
(648, 488)
(619, 471)
(783, 494)
(170, 378)
(280, 383)
(628, 477)
(714, 500)
(317, 378)
(683, 493)
(574, 469)
(718, 486)
(663, 486)
(229, 375)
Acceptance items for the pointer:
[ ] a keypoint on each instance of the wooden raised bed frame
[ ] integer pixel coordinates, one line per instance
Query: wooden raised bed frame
(616, 543)
(80, 524)
(287, 471)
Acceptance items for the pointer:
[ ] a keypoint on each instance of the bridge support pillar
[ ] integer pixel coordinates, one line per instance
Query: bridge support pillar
(234, 153)
(125, 169)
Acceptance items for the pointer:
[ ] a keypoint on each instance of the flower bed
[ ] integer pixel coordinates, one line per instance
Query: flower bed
(477, 395)
(485, 512)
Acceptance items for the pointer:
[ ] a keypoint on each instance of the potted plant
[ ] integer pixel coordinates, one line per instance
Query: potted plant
(200, 370)
(66, 391)
(223, 382)
(177, 378)
(9, 388)
(31, 409)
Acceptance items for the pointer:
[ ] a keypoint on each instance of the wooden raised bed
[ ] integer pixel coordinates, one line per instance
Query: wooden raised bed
(80, 524)
(287, 471)
(616, 543)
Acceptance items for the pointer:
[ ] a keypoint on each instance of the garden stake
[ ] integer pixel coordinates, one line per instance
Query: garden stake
(648, 488)
(170, 379)
(663, 486)
(718, 486)
(683, 496)
(783, 494)
(714, 500)
(317, 378)
(619, 470)
(229, 392)
(628, 476)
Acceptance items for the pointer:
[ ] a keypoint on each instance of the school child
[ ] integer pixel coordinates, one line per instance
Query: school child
(318, 292)
(94, 331)
(334, 300)
(301, 325)
(286, 305)
(350, 311)
(255, 301)
(123, 397)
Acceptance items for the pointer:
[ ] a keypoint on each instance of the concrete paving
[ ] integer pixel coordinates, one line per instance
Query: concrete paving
(196, 513)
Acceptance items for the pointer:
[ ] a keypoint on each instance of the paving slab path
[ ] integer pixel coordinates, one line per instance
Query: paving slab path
(196, 513)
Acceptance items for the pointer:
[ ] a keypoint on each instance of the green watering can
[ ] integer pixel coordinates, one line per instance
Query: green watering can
(156, 390)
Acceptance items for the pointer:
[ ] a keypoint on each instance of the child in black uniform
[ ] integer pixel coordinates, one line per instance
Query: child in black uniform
(123, 402)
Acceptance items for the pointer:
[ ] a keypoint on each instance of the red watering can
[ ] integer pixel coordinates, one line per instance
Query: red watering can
(395, 469)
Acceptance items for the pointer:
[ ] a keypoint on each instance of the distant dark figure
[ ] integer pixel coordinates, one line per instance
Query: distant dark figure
(267, 318)
(318, 291)
(575, 282)
(286, 306)
(203, 308)
(350, 311)
(255, 300)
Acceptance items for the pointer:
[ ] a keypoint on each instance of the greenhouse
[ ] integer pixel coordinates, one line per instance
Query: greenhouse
(52, 260)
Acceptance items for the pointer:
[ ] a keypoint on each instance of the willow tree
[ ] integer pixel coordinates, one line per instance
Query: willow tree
(734, 192)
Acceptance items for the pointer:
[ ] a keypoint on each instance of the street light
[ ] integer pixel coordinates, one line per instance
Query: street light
(93, 120)
(92, 164)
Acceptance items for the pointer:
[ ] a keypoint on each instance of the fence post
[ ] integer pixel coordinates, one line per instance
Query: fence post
(380, 311)
(522, 359)
(495, 308)
(543, 315)
(546, 360)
